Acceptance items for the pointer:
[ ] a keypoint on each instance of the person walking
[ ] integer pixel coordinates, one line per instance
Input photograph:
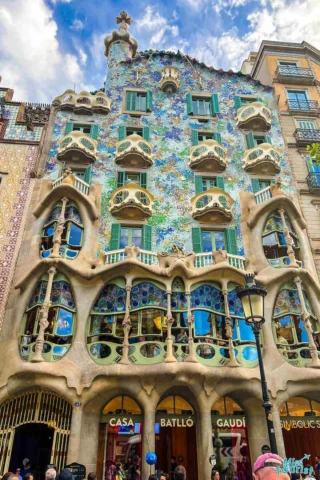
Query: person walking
(180, 472)
(215, 475)
(18, 473)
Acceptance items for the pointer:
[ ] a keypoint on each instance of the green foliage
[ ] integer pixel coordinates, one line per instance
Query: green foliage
(314, 151)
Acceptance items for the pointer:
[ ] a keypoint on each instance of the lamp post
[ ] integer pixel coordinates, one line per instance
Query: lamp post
(252, 299)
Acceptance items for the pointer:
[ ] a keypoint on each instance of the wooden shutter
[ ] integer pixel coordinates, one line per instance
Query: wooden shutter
(115, 236)
(251, 143)
(231, 240)
(197, 240)
(237, 102)
(255, 185)
(198, 183)
(217, 137)
(214, 104)
(94, 131)
(69, 127)
(87, 174)
(131, 101)
(144, 180)
(194, 137)
(122, 133)
(147, 237)
(128, 101)
(146, 133)
(267, 139)
(149, 101)
(121, 179)
(189, 104)
(220, 182)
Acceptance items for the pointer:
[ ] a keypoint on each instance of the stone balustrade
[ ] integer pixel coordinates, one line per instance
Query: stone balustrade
(208, 156)
(213, 205)
(263, 158)
(134, 151)
(83, 102)
(131, 202)
(77, 147)
(254, 116)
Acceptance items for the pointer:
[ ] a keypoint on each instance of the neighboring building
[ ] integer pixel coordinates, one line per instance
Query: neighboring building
(157, 196)
(294, 71)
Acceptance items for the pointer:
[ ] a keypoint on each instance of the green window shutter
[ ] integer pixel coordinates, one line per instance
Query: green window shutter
(121, 179)
(69, 128)
(267, 139)
(198, 182)
(122, 133)
(146, 133)
(144, 180)
(217, 137)
(220, 182)
(94, 131)
(131, 101)
(149, 101)
(189, 104)
(197, 239)
(231, 240)
(255, 185)
(251, 143)
(258, 99)
(115, 236)
(147, 237)
(214, 104)
(194, 137)
(237, 102)
(128, 100)
(87, 174)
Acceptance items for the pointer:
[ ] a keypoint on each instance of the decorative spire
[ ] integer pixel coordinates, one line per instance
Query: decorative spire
(122, 34)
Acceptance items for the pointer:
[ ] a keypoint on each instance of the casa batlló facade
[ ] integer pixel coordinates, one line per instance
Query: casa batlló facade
(123, 332)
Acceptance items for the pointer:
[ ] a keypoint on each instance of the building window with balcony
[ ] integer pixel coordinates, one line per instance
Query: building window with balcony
(209, 240)
(126, 131)
(198, 136)
(306, 133)
(138, 101)
(313, 177)
(203, 184)
(259, 184)
(253, 140)
(140, 179)
(91, 130)
(241, 101)
(300, 100)
(202, 106)
(123, 236)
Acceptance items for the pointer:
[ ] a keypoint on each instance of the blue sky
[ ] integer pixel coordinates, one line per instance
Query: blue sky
(47, 46)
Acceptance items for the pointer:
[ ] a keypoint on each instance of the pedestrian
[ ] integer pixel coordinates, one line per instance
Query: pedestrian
(92, 476)
(9, 476)
(28, 476)
(180, 472)
(265, 468)
(65, 474)
(134, 469)
(309, 476)
(26, 467)
(215, 475)
(18, 473)
(50, 474)
(317, 467)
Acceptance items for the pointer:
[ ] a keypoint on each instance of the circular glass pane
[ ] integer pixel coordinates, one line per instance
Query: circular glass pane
(205, 351)
(250, 354)
(150, 350)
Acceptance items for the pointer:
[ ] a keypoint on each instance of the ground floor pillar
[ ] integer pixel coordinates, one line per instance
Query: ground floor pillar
(89, 440)
(257, 434)
(278, 432)
(148, 441)
(204, 444)
(75, 436)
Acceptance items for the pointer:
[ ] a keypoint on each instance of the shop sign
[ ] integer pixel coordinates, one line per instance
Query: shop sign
(176, 422)
(121, 422)
(230, 422)
(288, 424)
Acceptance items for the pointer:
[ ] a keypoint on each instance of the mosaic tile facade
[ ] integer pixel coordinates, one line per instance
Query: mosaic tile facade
(19, 132)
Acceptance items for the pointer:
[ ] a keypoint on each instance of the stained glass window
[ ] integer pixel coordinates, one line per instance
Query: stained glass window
(61, 294)
(235, 305)
(207, 296)
(55, 214)
(72, 213)
(112, 299)
(147, 294)
(39, 294)
(178, 301)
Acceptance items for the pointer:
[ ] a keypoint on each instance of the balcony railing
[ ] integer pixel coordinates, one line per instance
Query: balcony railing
(77, 147)
(83, 102)
(292, 74)
(213, 205)
(131, 202)
(76, 182)
(313, 180)
(263, 158)
(263, 195)
(310, 106)
(150, 258)
(305, 136)
(134, 151)
(254, 116)
(208, 156)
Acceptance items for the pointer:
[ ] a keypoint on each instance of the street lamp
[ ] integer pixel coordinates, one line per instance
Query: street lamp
(252, 299)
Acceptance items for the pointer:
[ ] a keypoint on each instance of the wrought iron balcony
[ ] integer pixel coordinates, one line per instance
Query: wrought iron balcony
(131, 202)
(213, 205)
(83, 102)
(77, 147)
(254, 116)
(306, 106)
(169, 82)
(313, 180)
(293, 74)
(305, 136)
(134, 151)
(263, 158)
(208, 156)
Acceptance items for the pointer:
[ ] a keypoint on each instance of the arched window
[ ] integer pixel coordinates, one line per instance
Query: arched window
(71, 237)
(288, 326)
(226, 406)
(175, 406)
(61, 317)
(122, 405)
(274, 242)
(300, 407)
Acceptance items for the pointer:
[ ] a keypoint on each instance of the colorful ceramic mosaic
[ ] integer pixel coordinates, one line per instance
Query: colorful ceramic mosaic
(170, 179)
(207, 297)
(61, 294)
(72, 213)
(274, 223)
(147, 294)
(39, 294)
(288, 302)
(112, 299)
(235, 305)
(19, 132)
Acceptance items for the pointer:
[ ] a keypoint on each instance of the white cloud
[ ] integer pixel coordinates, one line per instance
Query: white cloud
(30, 56)
(61, 1)
(77, 25)
(153, 21)
(83, 57)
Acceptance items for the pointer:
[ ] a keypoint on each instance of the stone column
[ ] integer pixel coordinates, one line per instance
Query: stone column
(75, 436)
(191, 356)
(278, 431)
(288, 238)
(90, 440)
(306, 319)
(170, 356)
(232, 362)
(257, 434)
(43, 321)
(126, 327)
(204, 443)
(148, 441)
(59, 230)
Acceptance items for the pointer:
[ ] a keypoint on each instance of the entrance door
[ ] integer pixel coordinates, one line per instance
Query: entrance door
(33, 441)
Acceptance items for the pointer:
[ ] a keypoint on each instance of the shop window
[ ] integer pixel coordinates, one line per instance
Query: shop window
(61, 318)
(71, 237)
(274, 242)
(202, 106)
(138, 101)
